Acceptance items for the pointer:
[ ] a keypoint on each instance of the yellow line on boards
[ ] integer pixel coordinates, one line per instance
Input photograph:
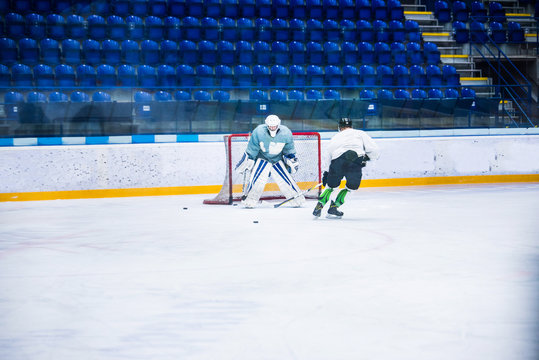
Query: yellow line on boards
(214, 189)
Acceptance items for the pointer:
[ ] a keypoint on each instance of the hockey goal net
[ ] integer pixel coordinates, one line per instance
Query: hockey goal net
(307, 146)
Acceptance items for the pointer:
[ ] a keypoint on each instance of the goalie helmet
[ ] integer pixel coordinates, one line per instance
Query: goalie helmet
(345, 123)
(273, 122)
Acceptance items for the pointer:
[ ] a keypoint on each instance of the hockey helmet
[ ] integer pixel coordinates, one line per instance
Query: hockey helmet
(273, 122)
(345, 123)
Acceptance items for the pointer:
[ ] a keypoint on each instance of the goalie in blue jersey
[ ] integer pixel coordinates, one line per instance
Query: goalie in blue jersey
(270, 151)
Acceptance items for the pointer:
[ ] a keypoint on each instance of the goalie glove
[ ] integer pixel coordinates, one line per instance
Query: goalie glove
(245, 164)
(292, 162)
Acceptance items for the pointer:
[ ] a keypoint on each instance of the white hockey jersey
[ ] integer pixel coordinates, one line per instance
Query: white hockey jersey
(351, 139)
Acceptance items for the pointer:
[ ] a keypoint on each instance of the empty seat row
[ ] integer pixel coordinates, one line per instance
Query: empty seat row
(478, 33)
(56, 6)
(460, 11)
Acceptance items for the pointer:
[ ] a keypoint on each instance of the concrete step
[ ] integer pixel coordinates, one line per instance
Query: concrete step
(475, 81)
(420, 16)
(436, 36)
(456, 59)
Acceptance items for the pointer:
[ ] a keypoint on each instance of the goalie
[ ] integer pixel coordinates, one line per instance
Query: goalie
(270, 151)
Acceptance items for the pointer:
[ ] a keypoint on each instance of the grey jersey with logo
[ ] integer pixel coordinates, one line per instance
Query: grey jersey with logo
(262, 145)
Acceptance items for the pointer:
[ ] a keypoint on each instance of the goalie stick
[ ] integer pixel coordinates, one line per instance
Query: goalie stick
(297, 196)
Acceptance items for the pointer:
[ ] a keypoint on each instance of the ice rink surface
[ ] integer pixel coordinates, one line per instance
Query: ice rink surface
(411, 273)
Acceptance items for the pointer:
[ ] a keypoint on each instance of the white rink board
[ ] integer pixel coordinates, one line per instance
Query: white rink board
(88, 167)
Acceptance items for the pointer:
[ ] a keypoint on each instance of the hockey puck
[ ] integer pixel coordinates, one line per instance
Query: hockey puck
(256, 221)
(185, 208)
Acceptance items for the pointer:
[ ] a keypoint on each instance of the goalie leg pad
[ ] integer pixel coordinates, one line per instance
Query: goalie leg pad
(287, 184)
(257, 182)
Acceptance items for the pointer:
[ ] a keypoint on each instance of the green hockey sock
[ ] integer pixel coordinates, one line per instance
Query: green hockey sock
(324, 197)
(340, 197)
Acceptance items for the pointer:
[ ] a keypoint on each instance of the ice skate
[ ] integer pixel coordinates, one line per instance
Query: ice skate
(318, 209)
(334, 211)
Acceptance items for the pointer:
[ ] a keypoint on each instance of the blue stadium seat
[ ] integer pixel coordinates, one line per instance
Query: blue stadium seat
(451, 93)
(139, 7)
(460, 11)
(262, 52)
(43, 76)
(315, 75)
(496, 12)
(434, 75)
(143, 102)
(384, 94)
(28, 51)
(435, 94)
(130, 52)
(417, 75)
(121, 7)
(169, 52)
(111, 52)
(191, 28)
(147, 76)
(314, 9)
(515, 32)
(313, 94)
(384, 75)
(332, 53)
(207, 52)
(279, 51)
(188, 52)
(225, 52)
(279, 29)
(76, 27)
(162, 96)
(230, 8)
(13, 101)
(367, 76)
(10, 53)
(101, 96)
(205, 76)
(431, 53)
(158, 8)
(50, 51)
(56, 26)
(106, 75)
(182, 95)
(42, 6)
(347, 9)
(381, 31)
(467, 93)
(172, 28)
(86, 76)
(258, 95)
(401, 75)
(91, 51)
(245, 30)
(135, 27)
(364, 9)
(277, 95)
(348, 28)
(402, 94)
(498, 33)
(185, 75)
(79, 97)
(349, 53)
(296, 95)
(315, 53)
(117, 28)
(5, 76)
(261, 75)
(419, 94)
(223, 76)
(97, 27)
(297, 52)
(244, 52)
(155, 29)
(82, 7)
(314, 30)
(331, 9)
(177, 8)
(398, 53)
(15, 25)
(242, 75)
(395, 10)
(367, 94)
(229, 31)
(57, 96)
(365, 31)
(280, 9)
(414, 53)
(366, 53)
(21, 75)
(461, 32)
(149, 51)
(332, 31)
(298, 9)
(166, 75)
(297, 30)
(35, 26)
(479, 12)
(210, 29)
(442, 11)
(412, 30)
(64, 75)
(101, 7)
(450, 76)
(397, 30)
(212, 9)
(279, 76)
(350, 75)
(221, 95)
(382, 53)
(127, 75)
(331, 94)
(247, 8)
(297, 75)
(333, 76)
(478, 32)
(263, 29)
(379, 9)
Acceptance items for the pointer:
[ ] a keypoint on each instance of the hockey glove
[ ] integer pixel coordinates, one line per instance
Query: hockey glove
(325, 178)
(364, 160)
(292, 162)
(245, 164)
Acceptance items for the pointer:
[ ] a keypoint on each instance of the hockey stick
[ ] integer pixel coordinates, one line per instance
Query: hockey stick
(244, 185)
(297, 196)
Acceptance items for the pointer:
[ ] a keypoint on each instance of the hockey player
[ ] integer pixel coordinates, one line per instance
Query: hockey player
(346, 154)
(270, 147)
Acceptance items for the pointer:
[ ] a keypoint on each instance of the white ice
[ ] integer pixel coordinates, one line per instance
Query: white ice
(413, 273)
